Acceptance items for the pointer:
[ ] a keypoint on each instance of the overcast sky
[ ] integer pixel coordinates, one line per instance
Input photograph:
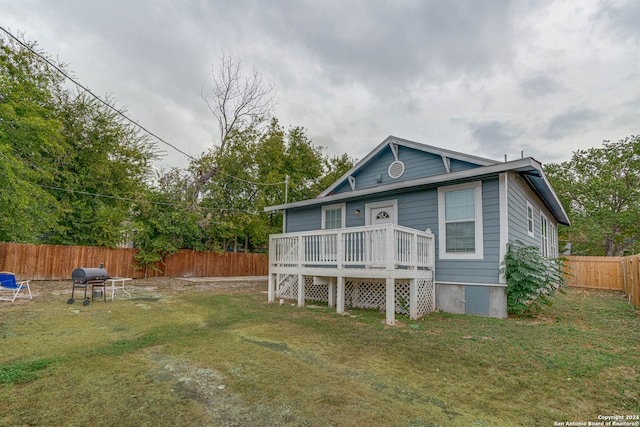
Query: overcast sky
(485, 77)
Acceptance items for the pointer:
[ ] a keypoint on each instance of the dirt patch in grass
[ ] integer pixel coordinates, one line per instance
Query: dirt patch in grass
(204, 353)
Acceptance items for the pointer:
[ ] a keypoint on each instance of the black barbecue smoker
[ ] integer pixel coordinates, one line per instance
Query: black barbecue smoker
(84, 277)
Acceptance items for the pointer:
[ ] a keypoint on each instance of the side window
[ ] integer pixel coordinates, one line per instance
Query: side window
(460, 221)
(333, 216)
(553, 240)
(530, 219)
(544, 235)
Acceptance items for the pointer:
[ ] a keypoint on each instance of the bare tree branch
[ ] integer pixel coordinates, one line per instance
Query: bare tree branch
(237, 103)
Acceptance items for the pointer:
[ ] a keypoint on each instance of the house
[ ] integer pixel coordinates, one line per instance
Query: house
(413, 228)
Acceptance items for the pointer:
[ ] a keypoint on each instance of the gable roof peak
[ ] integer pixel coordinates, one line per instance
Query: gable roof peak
(392, 141)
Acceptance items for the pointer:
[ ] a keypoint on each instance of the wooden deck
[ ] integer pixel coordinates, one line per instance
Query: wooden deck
(356, 261)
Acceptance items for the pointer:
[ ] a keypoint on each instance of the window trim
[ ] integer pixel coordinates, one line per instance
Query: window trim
(553, 240)
(544, 235)
(343, 214)
(479, 238)
(531, 227)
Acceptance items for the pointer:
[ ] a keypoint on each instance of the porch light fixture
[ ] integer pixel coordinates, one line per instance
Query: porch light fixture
(357, 212)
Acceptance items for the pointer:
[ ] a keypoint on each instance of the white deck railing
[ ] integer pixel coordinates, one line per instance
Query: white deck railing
(386, 246)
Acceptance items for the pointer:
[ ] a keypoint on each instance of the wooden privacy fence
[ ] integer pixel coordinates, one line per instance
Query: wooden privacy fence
(55, 262)
(605, 273)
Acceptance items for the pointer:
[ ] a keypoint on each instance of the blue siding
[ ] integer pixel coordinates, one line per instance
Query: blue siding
(419, 210)
(518, 196)
(484, 270)
(459, 165)
(418, 164)
(304, 219)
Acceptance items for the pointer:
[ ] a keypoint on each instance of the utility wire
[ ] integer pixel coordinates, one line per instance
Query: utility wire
(120, 112)
(103, 195)
(87, 193)
(95, 96)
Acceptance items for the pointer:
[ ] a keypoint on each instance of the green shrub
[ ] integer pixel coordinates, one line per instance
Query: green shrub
(532, 279)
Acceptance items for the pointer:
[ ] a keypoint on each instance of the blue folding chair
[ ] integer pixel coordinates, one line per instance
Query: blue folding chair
(8, 283)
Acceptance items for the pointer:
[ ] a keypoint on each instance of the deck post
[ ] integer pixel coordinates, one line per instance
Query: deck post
(340, 295)
(391, 301)
(390, 247)
(332, 292)
(413, 299)
(300, 290)
(272, 287)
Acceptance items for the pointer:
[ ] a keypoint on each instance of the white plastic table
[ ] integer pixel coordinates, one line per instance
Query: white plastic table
(120, 287)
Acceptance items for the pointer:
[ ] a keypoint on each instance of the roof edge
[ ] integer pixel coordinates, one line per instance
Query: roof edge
(520, 165)
(409, 144)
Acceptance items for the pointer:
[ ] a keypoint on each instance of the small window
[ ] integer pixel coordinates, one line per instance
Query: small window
(333, 216)
(530, 219)
(383, 215)
(460, 221)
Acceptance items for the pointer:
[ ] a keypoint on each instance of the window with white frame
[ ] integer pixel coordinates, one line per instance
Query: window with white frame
(544, 235)
(460, 221)
(553, 240)
(530, 219)
(333, 216)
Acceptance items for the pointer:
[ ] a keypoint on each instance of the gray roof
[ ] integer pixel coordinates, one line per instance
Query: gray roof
(410, 144)
(528, 167)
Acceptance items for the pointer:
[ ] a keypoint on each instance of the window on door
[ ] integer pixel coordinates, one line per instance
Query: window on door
(333, 216)
(460, 221)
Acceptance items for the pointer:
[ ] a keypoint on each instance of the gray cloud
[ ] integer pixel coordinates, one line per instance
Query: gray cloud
(621, 18)
(496, 138)
(387, 45)
(475, 76)
(571, 122)
(534, 87)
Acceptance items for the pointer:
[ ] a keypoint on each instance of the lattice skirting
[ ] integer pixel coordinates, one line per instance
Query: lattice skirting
(363, 293)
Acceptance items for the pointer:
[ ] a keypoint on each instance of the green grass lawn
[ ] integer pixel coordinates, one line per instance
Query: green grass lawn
(228, 358)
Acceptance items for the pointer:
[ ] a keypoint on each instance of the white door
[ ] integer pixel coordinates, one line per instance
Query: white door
(380, 213)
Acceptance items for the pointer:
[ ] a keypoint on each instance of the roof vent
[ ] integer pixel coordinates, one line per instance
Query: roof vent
(396, 169)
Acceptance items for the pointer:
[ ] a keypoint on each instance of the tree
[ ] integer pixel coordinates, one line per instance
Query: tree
(600, 188)
(238, 103)
(251, 175)
(107, 166)
(69, 166)
(165, 222)
(30, 142)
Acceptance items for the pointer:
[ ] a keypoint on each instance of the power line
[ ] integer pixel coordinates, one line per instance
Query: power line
(95, 96)
(128, 199)
(119, 112)
(87, 193)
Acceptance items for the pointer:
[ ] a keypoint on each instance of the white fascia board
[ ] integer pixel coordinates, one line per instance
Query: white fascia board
(356, 167)
(444, 152)
(521, 165)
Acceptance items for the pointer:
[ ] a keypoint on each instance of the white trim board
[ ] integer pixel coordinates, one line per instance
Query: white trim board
(493, 285)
